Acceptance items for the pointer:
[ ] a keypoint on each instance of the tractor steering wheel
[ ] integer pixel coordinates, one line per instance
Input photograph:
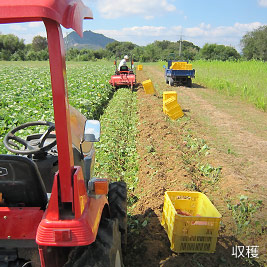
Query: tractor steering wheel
(34, 144)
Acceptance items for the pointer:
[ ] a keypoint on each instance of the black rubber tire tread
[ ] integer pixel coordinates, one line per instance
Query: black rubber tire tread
(189, 82)
(166, 80)
(171, 81)
(101, 253)
(117, 198)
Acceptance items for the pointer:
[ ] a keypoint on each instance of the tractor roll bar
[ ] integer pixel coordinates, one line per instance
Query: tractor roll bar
(68, 13)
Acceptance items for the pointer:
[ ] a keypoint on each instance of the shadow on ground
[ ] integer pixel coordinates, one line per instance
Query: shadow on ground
(195, 85)
(148, 245)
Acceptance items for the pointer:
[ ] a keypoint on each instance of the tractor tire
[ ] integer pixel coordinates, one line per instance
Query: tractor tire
(104, 252)
(189, 82)
(167, 80)
(117, 198)
(171, 81)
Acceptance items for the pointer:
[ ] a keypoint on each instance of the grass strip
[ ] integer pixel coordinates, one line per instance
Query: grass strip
(244, 78)
(116, 155)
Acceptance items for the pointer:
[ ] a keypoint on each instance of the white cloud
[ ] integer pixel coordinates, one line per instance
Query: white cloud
(199, 35)
(262, 3)
(17, 27)
(42, 33)
(237, 30)
(121, 8)
(139, 35)
(149, 17)
(227, 35)
(36, 24)
(28, 38)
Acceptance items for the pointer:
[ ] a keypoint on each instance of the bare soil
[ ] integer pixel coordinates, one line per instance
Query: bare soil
(237, 138)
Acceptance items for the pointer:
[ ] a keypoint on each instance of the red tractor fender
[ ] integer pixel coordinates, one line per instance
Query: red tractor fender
(80, 230)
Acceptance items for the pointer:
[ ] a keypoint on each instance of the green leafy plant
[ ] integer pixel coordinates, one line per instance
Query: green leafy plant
(116, 156)
(197, 145)
(243, 213)
(194, 154)
(212, 172)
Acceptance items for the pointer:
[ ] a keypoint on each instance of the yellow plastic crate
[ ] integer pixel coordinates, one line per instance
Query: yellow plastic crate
(139, 67)
(148, 87)
(189, 66)
(170, 103)
(178, 65)
(175, 66)
(175, 113)
(168, 94)
(193, 234)
(172, 108)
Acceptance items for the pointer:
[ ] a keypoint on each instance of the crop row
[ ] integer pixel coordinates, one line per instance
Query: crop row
(116, 156)
(26, 92)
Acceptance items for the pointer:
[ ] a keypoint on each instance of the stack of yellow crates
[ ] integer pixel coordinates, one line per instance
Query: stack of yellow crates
(166, 96)
(139, 67)
(181, 66)
(171, 106)
(189, 66)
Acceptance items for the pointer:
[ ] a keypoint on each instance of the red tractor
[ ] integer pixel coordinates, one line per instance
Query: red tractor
(123, 77)
(52, 212)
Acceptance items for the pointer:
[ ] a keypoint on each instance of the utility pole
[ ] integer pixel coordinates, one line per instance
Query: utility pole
(180, 46)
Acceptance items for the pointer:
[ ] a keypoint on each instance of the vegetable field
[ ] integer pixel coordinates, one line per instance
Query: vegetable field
(26, 91)
(218, 147)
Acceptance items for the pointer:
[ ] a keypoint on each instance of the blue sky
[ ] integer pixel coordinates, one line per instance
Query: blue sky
(144, 21)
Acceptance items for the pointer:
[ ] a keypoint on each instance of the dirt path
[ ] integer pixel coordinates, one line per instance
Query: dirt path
(241, 141)
(251, 149)
(161, 148)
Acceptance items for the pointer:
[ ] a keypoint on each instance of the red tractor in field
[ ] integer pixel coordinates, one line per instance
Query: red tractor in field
(123, 77)
(52, 212)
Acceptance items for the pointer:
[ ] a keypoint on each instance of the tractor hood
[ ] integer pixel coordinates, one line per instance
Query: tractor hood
(68, 13)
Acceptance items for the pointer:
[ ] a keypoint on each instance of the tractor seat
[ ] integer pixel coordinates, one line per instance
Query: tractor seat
(21, 184)
(124, 68)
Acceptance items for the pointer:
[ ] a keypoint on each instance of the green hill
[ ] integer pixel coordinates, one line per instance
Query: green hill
(90, 40)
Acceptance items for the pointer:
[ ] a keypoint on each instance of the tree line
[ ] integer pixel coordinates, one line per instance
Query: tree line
(254, 46)
(13, 48)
